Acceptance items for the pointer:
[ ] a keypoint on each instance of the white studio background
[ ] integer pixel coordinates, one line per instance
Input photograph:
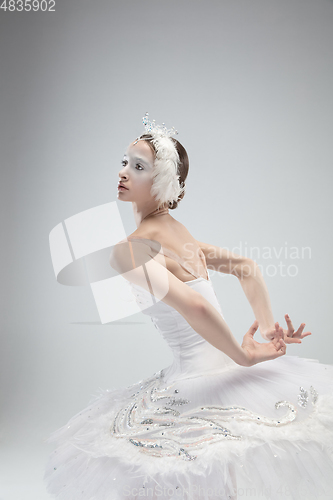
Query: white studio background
(248, 85)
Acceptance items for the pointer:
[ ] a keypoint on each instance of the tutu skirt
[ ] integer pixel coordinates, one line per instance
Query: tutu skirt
(259, 432)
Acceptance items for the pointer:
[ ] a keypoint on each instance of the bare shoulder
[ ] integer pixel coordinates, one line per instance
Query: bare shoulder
(171, 235)
(133, 260)
(138, 233)
(125, 251)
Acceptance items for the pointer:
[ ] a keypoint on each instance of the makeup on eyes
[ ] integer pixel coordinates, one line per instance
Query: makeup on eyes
(137, 158)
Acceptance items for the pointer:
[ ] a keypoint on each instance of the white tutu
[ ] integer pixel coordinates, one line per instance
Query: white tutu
(202, 428)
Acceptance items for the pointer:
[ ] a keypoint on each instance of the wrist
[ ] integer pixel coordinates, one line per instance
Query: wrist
(267, 334)
(247, 359)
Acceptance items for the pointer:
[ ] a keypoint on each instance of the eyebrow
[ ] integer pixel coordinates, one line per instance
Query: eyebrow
(139, 159)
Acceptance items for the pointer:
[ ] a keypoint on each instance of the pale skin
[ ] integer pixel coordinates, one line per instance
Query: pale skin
(137, 176)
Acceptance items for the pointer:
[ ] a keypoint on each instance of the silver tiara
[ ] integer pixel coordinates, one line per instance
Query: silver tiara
(159, 130)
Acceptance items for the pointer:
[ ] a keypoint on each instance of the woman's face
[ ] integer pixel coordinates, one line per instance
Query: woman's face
(137, 173)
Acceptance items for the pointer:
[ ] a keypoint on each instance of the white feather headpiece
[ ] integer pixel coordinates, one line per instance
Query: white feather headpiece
(166, 187)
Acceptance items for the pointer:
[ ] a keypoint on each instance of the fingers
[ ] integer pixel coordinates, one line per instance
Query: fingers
(253, 328)
(255, 324)
(290, 326)
(298, 333)
(277, 333)
(283, 348)
(291, 332)
(300, 330)
(280, 346)
(292, 340)
(278, 342)
(278, 336)
(305, 334)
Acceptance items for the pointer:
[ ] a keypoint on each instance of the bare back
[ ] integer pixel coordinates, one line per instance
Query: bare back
(173, 236)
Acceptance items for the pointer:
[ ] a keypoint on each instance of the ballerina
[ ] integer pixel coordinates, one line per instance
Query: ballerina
(223, 417)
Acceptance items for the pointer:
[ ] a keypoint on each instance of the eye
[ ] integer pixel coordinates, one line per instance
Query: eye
(124, 162)
(139, 166)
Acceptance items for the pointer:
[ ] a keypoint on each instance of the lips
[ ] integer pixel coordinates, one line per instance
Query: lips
(122, 185)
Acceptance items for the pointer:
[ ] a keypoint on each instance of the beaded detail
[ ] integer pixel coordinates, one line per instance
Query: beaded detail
(314, 395)
(160, 130)
(303, 397)
(151, 422)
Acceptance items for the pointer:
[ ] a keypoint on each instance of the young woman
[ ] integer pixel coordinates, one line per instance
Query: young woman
(223, 420)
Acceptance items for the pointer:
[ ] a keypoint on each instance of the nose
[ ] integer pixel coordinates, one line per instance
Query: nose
(122, 174)
(123, 178)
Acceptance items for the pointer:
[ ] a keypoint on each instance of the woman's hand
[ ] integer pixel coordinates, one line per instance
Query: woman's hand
(289, 335)
(256, 352)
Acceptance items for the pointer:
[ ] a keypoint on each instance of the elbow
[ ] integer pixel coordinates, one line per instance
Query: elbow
(246, 268)
(197, 309)
(200, 307)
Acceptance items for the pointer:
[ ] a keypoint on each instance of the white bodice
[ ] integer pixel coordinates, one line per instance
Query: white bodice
(193, 355)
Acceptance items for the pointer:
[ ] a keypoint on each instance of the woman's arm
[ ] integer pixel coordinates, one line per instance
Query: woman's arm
(252, 281)
(256, 292)
(250, 278)
(135, 263)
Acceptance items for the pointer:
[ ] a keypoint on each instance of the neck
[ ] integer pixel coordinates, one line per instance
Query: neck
(149, 212)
